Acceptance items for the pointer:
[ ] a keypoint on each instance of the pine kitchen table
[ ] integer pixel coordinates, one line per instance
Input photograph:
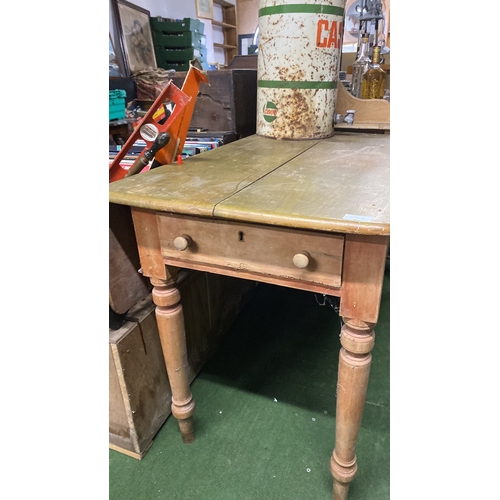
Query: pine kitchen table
(308, 214)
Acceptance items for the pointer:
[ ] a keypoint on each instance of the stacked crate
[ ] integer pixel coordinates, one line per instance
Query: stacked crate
(178, 42)
(117, 104)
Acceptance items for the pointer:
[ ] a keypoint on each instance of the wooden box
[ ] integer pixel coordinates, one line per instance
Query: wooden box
(139, 391)
(228, 103)
(138, 386)
(126, 285)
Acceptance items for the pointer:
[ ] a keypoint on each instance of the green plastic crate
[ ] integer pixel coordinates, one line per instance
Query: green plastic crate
(176, 66)
(117, 104)
(179, 40)
(173, 26)
(181, 55)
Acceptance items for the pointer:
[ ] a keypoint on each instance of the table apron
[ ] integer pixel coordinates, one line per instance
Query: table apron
(256, 252)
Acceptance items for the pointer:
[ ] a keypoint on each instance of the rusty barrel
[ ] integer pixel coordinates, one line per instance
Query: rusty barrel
(298, 64)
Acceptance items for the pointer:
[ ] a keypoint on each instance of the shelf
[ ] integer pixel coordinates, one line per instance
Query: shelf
(229, 30)
(223, 25)
(224, 46)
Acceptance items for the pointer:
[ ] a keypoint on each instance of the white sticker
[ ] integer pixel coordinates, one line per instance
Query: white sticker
(148, 132)
(359, 218)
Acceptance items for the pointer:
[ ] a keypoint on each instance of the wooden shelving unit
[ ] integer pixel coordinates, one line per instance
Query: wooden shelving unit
(229, 29)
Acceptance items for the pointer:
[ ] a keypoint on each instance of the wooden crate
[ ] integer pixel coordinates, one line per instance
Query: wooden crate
(139, 392)
(228, 103)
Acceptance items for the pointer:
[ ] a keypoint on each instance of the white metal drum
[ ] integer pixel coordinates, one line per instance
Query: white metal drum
(298, 63)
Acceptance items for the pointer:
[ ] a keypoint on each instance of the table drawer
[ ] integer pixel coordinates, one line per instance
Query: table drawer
(256, 249)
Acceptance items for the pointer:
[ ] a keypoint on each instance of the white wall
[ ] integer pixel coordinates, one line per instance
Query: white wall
(179, 9)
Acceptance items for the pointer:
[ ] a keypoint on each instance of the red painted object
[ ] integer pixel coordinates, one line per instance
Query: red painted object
(177, 124)
(150, 127)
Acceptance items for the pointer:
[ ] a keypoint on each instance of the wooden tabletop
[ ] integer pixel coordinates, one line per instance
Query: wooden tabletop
(340, 184)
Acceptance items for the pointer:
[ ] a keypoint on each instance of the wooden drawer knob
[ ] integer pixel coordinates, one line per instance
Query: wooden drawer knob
(301, 260)
(182, 242)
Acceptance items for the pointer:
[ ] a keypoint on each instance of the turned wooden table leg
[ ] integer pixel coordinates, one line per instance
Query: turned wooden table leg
(357, 339)
(363, 272)
(170, 319)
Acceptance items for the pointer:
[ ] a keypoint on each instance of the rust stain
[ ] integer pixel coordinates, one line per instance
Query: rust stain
(298, 118)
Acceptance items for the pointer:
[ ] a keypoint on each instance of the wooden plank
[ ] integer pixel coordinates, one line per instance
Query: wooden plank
(121, 429)
(263, 278)
(125, 451)
(206, 179)
(340, 184)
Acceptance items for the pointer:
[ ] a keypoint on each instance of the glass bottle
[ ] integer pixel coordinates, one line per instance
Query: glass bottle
(360, 65)
(373, 83)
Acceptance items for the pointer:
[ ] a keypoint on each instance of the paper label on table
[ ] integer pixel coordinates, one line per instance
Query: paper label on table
(358, 218)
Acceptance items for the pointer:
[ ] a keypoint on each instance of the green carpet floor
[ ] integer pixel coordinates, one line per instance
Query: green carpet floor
(265, 413)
